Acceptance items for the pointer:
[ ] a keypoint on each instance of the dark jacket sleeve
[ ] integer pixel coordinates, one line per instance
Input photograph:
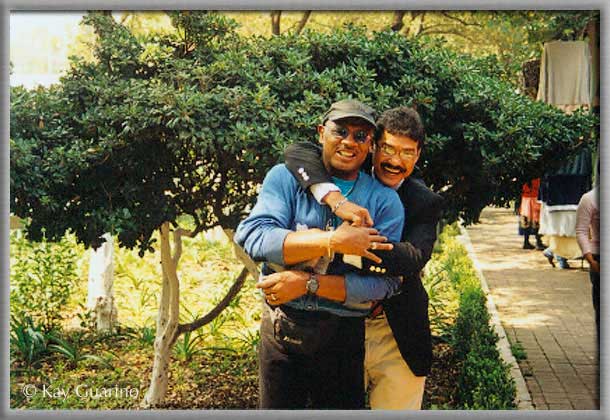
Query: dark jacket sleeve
(304, 161)
(422, 212)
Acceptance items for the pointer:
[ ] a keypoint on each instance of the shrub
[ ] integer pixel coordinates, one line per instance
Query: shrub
(42, 277)
(442, 299)
(472, 324)
(484, 381)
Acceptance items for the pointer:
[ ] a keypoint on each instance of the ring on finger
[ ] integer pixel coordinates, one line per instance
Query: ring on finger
(273, 297)
(374, 245)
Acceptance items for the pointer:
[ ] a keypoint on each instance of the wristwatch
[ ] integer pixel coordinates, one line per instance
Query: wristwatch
(312, 284)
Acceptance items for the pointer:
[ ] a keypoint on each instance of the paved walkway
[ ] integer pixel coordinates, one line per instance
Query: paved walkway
(547, 310)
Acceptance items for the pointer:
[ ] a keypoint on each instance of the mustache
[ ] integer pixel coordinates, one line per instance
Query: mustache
(395, 168)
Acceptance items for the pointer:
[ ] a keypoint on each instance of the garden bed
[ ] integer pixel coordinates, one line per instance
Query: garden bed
(215, 367)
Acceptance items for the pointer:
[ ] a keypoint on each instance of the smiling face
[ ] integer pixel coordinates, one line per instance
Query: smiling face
(345, 146)
(395, 158)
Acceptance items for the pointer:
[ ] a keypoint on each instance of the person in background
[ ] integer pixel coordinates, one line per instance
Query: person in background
(587, 235)
(529, 215)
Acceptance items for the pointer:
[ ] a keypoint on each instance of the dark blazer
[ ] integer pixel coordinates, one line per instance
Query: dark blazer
(407, 312)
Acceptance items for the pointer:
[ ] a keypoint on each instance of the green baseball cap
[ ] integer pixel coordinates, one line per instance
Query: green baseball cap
(350, 108)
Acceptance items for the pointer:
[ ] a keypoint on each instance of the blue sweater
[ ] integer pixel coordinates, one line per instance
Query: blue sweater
(283, 207)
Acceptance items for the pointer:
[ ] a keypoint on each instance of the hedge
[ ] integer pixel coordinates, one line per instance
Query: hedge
(484, 381)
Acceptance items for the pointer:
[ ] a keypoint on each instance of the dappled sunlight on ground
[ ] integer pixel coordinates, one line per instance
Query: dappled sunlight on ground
(546, 311)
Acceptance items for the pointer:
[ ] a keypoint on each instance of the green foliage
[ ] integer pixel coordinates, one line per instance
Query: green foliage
(43, 275)
(72, 351)
(187, 346)
(188, 123)
(507, 37)
(78, 388)
(518, 351)
(28, 342)
(472, 325)
(86, 318)
(147, 335)
(484, 382)
(544, 26)
(207, 269)
(248, 340)
(442, 297)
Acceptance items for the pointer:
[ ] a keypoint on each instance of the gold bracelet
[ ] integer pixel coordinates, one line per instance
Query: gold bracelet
(328, 251)
(339, 204)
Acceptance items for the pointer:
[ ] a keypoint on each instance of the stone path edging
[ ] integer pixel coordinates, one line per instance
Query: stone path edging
(523, 399)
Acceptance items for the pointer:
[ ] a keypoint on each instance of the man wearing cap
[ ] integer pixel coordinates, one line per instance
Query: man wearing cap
(311, 351)
(398, 339)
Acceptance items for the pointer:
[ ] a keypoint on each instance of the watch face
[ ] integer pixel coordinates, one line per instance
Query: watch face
(312, 285)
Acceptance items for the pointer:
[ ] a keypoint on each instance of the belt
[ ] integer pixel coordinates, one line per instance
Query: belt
(297, 314)
(376, 312)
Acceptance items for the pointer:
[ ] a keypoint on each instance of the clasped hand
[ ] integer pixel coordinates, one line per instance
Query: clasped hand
(357, 240)
(284, 286)
(359, 216)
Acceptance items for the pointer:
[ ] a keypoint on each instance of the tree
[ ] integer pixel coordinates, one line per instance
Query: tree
(276, 17)
(303, 22)
(397, 21)
(100, 294)
(159, 128)
(512, 36)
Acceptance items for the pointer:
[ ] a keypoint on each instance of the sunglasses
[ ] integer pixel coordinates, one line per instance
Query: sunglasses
(339, 132)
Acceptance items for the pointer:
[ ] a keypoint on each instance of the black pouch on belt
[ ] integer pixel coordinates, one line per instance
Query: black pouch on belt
(302, 332)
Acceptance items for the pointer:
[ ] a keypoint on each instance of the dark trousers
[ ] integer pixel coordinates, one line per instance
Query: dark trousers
(595, 295)
(310, 360)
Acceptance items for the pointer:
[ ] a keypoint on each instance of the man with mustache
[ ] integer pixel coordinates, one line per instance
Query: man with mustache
(311, 352)
(398, 338)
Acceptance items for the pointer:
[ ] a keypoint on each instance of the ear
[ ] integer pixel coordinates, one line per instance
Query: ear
(418, 154)
(321, 134)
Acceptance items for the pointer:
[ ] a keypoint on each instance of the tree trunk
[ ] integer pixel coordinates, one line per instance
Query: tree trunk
(217, 310)
(241, 255)
(100, 296)
(167, 321)
(420, 27)
(168, 327)
(303, 21)
(275, 22)
(397, 20)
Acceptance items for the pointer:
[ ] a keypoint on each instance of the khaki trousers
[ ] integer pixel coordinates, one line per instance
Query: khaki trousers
(390, 382)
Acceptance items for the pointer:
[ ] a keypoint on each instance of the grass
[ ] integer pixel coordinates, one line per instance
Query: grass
(518, 352)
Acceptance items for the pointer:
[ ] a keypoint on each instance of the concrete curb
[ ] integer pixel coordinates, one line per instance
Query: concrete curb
(523, 399)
